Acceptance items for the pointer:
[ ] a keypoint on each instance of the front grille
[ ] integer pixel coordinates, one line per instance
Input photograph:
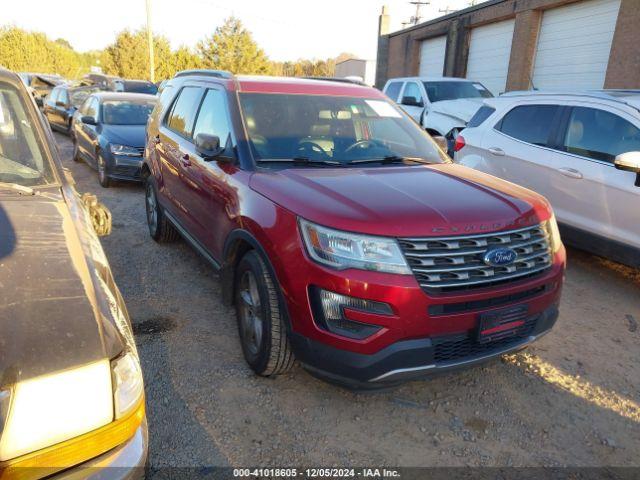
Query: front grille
(443, 264)
(466, 346)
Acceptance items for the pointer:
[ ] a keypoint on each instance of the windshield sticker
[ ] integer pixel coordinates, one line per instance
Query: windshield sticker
(383, 109)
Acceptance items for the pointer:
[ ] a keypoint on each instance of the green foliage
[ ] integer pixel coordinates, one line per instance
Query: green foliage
(232, 48)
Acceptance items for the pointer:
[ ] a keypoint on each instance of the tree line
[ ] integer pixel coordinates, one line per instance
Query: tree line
(231, 47)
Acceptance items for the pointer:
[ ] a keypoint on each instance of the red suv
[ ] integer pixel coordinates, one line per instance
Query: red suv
(345, 237)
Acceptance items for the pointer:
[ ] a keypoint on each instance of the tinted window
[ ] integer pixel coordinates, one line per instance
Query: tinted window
(412, 90)
(393, 90)
(439, 91)
(92, 108)
(480, 116)
(53, 96)
(119, 112)
(184, 111)
(213, 118)
(600, 135)
(530, 123)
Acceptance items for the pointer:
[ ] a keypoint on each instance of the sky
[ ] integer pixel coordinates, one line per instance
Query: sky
(285, 29)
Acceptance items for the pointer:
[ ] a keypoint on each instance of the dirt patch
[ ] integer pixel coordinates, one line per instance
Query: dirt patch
(155, 325)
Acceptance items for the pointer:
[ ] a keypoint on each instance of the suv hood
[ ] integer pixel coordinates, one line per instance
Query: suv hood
(461, 109)
(403, 201)
(49, 317)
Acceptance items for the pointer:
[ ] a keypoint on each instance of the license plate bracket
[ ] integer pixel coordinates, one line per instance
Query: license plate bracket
(500, 324)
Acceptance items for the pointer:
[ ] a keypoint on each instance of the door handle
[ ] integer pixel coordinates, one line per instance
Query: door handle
(498, 152)
(185, 160)
(570, 172)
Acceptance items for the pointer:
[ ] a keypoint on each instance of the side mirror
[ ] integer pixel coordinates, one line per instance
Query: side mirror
(412, 102)
(100, 214)
(441, 142)
(629, 162)
(208, 146)
(88, 120)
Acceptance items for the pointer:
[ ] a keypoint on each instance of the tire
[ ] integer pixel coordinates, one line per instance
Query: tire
(262, 328)
(160, 229)
(76, 151)
(103, 176)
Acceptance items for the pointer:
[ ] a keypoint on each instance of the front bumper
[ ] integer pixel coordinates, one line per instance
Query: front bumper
(126, 462)
(412, 359)
(125, 168)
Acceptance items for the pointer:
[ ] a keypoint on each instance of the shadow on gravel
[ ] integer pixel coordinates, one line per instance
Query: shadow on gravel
(154, 325)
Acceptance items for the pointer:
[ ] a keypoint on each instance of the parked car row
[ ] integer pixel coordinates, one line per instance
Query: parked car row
(581, 150)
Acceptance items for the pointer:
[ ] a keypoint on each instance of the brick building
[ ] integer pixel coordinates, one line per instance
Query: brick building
(520, 44)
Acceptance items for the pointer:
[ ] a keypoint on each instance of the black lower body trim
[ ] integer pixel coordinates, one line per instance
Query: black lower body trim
(410, 359)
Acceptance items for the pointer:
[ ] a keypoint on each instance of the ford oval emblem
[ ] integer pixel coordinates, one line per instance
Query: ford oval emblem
(497, 257)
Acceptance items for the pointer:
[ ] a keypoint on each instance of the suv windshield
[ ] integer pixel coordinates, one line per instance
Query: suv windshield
(22, 157)
(118, 112)
(439, 91)
(334, 129)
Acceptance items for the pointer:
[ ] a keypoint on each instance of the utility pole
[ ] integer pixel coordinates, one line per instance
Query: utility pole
(447, 10)
(152, 67)
(416, 19)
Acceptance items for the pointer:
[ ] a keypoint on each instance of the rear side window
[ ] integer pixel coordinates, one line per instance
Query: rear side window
(529, 123)
(64, 96)
(480, 116)
(393, 90)
(184, 111)
(213, 118)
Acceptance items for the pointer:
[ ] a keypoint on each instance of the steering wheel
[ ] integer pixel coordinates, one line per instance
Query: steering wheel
(362, 144)
(307, 146)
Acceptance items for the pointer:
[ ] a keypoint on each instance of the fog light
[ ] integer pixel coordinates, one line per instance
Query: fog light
(328, 308)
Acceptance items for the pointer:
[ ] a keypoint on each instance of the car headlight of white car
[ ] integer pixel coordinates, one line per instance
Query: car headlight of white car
(71, 416)
(342, 250)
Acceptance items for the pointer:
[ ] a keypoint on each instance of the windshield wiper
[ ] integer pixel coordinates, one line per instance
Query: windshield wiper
(21, 189)
(300, 161)
(390, 159)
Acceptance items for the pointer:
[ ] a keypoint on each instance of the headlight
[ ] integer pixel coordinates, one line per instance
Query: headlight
(53, 408)
(124, 150)
(343, 250)
(554, 233)
(128, 386)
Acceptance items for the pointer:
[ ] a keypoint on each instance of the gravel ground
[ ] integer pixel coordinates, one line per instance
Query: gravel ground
(571, 399)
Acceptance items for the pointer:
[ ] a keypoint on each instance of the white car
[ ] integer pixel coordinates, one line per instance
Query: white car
(442, 105)
(580, 150)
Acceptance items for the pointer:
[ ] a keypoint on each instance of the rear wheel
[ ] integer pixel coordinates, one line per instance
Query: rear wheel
(261, 324)
(160, 228)
(76, 150)
(103, 176)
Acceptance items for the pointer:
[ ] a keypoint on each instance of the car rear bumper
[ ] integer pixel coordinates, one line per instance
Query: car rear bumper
(410, 359)
(126, 462)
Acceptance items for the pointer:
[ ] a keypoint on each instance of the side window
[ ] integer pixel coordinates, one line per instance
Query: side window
(412, 95)
(92, 108)
(63, 96)
(393, 90)
(600, 135)
(184, 111)
(529, 123)
(53, 96)
(213, 118)
(480, 116)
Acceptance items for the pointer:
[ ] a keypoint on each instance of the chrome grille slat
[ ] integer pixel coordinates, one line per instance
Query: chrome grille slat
(449, 263)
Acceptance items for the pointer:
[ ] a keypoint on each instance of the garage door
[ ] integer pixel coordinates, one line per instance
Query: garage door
(574, 45)
(489, 52)
(432, 57)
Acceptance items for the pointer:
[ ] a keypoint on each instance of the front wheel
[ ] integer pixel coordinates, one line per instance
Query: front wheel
(103, 176)
(160, 229)
(261, 323)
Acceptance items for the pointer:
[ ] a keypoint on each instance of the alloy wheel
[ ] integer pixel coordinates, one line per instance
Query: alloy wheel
(251, 321)
(152, 209)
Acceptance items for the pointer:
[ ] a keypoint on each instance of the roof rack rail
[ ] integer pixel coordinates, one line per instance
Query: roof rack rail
(340, 80)
(206, 73)
(609, 95)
